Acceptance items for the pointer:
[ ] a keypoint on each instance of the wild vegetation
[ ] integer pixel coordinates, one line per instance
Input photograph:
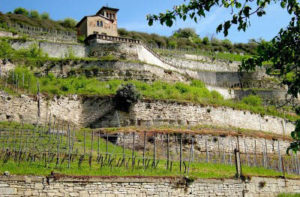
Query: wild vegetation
(188, 39)
(33, 18)
(199, 52)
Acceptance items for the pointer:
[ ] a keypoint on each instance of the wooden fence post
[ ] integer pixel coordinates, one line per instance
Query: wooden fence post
(180, 154)
(144, 149)
(191, 154)
(255, 156)
(154, 150)
(168, 151)
(238, 166)
(69, 146)
(38, 101)
(133, 150)
(84, 142)
(98, 146)
(91, 152)
(124, 156)
(266, 147)
(207, 152)
(106, 144)
(279, 159)
(58, 145)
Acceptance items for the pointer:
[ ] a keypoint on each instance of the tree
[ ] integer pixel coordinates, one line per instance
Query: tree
(283, 50)
(21, 11)
(45, 16)
(34, 14)
(185, 33)
(69, 23)
(126, 96)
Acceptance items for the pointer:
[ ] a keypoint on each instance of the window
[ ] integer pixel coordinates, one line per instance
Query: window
(99, 23)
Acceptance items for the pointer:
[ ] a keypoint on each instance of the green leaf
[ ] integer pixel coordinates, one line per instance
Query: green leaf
(238, 5)
(219, 28)
(150, 21)
(169, 22)
(246, 11)
(192, 15)
(234, 19)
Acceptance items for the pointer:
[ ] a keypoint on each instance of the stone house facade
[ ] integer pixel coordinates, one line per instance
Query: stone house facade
(103, 22)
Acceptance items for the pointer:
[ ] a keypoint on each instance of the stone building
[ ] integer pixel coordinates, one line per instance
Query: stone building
(103, 22)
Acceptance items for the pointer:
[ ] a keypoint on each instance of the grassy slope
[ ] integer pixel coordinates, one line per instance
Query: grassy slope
(33, 22)
(199, 170)
(212, 55)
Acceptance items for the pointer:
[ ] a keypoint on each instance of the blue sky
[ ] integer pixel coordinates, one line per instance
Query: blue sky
(132, 16)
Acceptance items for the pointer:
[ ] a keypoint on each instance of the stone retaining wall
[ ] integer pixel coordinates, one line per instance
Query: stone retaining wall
(213, 143)
(99, 112)
(173, 113)
(108, 70)
(57, 50)
(216, 66)
(143, 186)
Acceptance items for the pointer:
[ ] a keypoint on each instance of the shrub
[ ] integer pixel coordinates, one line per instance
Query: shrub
(32, 52)
(70, 54)
(126, 96)
(216, 95)
(21, 11)
(69, 23)
(34, 14)
(205, 41)
(6, 51)
(252, 100)
(45, 15)
(198, 83)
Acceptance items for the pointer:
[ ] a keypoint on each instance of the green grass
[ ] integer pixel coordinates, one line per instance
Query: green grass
(199, 170)
(289, 195)
(213, 56)
(33, 22)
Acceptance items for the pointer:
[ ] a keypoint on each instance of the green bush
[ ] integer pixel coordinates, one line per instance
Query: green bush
(68, 23)
(45, 16)
(21, 11)
(252, 100)
(126, 96)
(34, 14)
(6, 51)
(32, 52)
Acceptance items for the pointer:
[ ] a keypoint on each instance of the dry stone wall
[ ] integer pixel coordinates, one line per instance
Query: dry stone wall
(57, 50)
(107, 70)
(216, 66)
(78, 111)
(143, 186)
(173, 113)
(213, 143)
